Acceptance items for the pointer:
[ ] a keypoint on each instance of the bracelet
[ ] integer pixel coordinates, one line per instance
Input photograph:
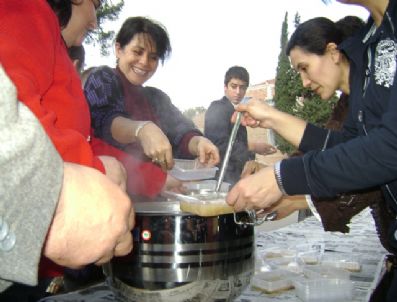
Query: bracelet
(277, 174)
(140, 126)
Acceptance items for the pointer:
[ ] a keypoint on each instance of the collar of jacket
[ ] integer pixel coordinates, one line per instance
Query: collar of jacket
(355, 46)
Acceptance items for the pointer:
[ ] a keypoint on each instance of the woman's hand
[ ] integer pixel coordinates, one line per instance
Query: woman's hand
(173, 184)
(259, 114)
(256, 113)
(257, 191)
(251, 167)
(156, 146)
(115, 171)
(287, 205)
(205, 150)
(261, 148)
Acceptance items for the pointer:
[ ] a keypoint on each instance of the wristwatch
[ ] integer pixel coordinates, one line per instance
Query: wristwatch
(277, 174)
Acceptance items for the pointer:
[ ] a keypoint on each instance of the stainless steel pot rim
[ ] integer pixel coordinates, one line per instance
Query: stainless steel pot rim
(158, 207)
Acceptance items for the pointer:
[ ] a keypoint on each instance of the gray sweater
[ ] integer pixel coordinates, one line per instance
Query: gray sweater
(30, 184)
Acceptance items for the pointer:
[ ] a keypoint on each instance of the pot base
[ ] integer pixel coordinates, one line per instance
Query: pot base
(199, 291)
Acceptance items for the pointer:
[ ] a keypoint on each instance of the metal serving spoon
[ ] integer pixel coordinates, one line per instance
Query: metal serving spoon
(232, 138)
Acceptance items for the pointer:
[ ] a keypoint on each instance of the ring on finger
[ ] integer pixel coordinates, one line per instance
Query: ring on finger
(158, 161)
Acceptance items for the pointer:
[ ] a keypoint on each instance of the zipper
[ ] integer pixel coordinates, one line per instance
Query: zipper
(361, 120)
(367, 78)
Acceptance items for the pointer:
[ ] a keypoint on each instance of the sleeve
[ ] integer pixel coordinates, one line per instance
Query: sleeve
(32, 173)
(36, 60)
(217, 128)
(362, 162)
(173, 123)
(336, 213)
(106, 101)
(315, 138)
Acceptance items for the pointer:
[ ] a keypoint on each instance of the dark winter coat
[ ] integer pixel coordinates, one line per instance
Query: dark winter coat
(368, 156)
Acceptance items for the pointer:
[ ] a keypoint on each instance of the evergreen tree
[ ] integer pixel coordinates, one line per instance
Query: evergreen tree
(285, 90)
(284, 98)
(315, 110)
(297, 20)
(104, 38)
(192, 112)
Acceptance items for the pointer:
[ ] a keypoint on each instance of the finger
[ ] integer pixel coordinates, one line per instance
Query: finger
(158, 160)
(215, 157)
(256, 124)
(169, 160)
(202, 154)
(247, 120)
(131, 219)
(256, 169)
(234, 117)
(104, 259)
(232, 196)
(179, 189)
(163, 166)
(252, 122)
(246, 172)
(210, 160)
(124, 247)
(240, 205)
(161, 163)
(242, 108)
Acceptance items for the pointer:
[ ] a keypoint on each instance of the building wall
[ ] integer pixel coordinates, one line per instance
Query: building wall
(263, 91)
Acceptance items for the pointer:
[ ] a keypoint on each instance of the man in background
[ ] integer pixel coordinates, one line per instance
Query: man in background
(218, 125)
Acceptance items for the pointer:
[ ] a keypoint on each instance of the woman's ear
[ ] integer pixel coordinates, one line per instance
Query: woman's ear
(335, 53)
(117, 49)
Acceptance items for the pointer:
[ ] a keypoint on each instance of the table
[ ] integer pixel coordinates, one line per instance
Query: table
(361, 241)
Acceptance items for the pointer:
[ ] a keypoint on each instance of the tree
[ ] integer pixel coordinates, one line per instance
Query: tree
(315, 110)
(192, 112)
(285, 90)
(284, 98)
(107, 12)
(297, 20)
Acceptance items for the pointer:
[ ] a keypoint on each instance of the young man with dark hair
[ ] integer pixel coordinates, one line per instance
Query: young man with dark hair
(218, 125)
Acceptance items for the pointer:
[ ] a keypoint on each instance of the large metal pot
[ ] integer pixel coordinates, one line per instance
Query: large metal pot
(182, 257)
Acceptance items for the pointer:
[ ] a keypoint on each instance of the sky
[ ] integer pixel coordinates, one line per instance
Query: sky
(209, 36)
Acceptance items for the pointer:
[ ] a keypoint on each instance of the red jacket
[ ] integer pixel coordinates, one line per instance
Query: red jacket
(34, 56)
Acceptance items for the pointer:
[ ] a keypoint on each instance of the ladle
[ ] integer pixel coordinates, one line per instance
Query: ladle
(252, 214)
(232, 138)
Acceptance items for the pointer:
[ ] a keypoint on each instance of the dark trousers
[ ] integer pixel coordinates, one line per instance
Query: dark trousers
(386, 291)
(392, 291)
(24, 293)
